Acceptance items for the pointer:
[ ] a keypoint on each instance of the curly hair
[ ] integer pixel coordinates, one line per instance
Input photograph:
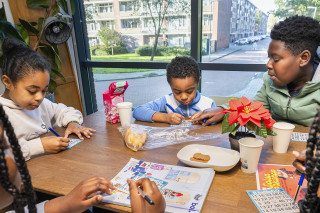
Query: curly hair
(299, 33)
(20, 61)
(182, 67)
(20, 199)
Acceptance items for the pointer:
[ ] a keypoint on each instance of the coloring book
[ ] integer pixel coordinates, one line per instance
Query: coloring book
(184, 188)
(273, 176)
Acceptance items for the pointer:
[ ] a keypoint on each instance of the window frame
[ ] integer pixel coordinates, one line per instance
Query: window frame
(86, 64)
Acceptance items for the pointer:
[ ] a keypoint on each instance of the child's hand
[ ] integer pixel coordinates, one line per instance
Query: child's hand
(174, 118)
(194, 116)
(54, 144)
(210, 115)
(140, 205)
(78, 199)
(78, 130)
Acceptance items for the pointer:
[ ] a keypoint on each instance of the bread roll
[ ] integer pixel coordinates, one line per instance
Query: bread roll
(135, 140)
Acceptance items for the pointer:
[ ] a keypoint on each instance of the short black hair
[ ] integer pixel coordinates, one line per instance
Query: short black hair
(20, 61)
(182, 67)
(299, 33)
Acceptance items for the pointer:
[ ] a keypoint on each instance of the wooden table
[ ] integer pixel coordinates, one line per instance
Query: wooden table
(105, 154)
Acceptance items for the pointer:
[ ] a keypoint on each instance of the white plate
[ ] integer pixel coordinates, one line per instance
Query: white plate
(221, 159)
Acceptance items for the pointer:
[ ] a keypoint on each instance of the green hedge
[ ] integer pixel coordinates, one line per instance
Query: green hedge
(146, 50)
(103, 50)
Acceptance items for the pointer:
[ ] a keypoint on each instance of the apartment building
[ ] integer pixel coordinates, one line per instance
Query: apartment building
(222, 22)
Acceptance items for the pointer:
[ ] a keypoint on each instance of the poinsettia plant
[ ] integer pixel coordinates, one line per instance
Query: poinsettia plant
(244, 113)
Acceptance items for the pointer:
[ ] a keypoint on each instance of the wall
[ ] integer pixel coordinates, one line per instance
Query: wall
(66, 92)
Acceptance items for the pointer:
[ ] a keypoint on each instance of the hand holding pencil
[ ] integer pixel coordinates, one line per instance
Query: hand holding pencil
(139, 201)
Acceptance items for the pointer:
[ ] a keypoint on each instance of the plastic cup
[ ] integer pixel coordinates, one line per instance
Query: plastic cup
(282, 139)
(250, 150)
(125, 113)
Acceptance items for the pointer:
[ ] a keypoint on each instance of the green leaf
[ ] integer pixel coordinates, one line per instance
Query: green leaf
(40, 23)
(28, 26)
(38, 3)
(3, 16)
(52, 84)
(24, 33)
(270, 132)
(229, 128)
(8, 30)
(262, 131)
(63, 4)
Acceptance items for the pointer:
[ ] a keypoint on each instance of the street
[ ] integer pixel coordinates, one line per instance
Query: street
(213, 83)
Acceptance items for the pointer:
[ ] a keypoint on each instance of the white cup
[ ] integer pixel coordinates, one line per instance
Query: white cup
(125, 113)
(282, 139)
(250, 150)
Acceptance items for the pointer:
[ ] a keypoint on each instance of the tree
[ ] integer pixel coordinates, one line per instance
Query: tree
(157, 11)
(286, 8)
(110, 38)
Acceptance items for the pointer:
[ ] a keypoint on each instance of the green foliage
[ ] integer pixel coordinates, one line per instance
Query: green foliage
(286, 8)
(110, 37)
(146, 50)
(100, 50)
(22, 30)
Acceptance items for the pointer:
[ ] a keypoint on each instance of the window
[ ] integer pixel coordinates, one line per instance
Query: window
(126, 6)
(105, 8)
(130, 23)
(236, 20)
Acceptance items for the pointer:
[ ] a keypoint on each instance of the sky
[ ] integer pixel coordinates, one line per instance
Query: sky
(264, 5)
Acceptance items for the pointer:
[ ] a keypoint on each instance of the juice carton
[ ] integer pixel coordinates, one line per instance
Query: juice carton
(111, 98)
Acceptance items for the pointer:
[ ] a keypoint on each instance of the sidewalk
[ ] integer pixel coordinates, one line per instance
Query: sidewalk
(133, 75)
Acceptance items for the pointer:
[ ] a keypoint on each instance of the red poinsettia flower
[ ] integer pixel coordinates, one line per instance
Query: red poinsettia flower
(243, 111)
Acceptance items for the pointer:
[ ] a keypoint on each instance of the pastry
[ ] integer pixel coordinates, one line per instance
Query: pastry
(199, 157)
(135, 140)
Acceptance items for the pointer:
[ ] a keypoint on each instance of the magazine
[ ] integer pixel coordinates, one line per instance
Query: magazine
(184, 188)
(273, 176)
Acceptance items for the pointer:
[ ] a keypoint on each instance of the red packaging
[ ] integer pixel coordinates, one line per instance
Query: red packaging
(111, 98)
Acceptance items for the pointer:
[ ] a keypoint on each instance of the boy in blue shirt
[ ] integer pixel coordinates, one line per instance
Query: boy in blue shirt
(183, 77)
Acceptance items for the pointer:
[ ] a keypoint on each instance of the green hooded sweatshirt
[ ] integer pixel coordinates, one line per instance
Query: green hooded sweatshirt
(299, 109)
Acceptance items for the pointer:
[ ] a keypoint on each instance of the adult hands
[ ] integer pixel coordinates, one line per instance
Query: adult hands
(139, 204)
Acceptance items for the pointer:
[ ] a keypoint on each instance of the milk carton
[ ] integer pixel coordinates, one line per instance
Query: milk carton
(111, 98)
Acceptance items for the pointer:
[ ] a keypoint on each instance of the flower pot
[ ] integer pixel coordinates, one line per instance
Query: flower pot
(234, 139)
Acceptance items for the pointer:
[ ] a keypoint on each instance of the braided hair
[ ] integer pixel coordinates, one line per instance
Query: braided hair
(311, 202)
(20, 198)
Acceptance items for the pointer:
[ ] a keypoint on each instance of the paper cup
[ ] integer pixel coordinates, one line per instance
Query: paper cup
(125, 113)
(250, 150)
(282, 139)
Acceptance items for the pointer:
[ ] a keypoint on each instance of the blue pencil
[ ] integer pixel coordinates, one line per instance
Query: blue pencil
(54, 132)
(170, 107)
(298, 189)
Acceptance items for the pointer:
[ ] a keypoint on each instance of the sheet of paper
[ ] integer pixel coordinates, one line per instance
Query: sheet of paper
(299, 136)
(73, 142)
(184, 188)
(273, 200)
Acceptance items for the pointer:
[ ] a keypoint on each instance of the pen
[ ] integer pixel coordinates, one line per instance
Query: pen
(146, 197)
(170, 107)
(298, 188)
(54, 132)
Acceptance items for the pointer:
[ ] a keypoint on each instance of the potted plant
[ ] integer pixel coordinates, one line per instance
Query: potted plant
(246, 119)
(22, 31)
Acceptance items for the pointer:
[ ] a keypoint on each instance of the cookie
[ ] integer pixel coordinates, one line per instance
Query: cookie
(200, 158)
